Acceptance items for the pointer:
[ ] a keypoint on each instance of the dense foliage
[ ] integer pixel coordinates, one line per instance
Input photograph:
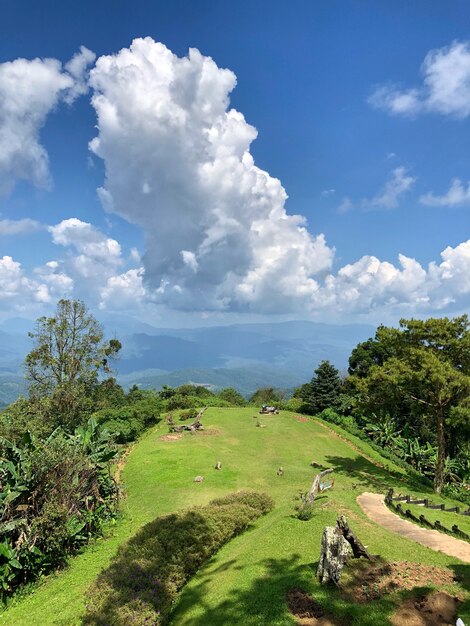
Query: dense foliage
(54, 495)
(141, 585)
(419, 380)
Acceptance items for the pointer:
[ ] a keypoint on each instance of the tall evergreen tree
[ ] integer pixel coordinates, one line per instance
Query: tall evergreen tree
(323, 390)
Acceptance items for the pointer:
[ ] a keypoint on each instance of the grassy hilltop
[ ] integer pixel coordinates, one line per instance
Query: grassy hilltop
(247, 580)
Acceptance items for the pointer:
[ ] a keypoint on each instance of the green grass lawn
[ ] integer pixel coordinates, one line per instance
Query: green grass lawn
(246, 582)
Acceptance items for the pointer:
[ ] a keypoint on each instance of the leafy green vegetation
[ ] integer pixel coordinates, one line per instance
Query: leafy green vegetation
(54, 495)
(418, 375)
(323, 391)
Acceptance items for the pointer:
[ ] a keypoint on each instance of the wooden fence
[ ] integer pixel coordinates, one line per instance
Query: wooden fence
(395, 503)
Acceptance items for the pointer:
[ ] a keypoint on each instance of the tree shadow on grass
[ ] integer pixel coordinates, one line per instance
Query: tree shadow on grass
(462, 575)
(365, 474)
(264, 601)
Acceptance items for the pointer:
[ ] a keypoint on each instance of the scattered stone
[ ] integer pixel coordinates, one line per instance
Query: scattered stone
(218, 465)
(199, 479)
(280, 471)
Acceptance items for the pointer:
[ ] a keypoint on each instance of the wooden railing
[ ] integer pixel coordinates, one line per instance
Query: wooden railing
(395, 503)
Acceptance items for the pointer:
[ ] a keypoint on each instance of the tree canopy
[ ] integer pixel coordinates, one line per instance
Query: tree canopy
(422, 379)
(69, 353)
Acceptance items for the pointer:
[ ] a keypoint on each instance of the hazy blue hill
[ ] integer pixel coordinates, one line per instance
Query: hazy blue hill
(141, 351)
(294, 347)
(246, 356)
(246, 379)
(11, 387)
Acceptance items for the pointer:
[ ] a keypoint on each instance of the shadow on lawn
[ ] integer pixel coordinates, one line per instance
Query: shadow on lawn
(264, 602)
(367, 475)
(462, 574)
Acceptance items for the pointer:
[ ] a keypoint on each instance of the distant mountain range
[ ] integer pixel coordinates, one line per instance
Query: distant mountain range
(245, 356)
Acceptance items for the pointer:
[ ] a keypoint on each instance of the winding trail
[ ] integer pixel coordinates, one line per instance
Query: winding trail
(374, 507)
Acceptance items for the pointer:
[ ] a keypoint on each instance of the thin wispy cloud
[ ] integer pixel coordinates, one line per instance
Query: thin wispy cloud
(20, 227)
(458, 194)
(399, 183)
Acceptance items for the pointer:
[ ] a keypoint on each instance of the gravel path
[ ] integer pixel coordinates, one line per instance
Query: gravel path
(374, 507)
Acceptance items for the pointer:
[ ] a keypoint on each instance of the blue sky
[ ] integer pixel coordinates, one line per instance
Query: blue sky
(362, 111)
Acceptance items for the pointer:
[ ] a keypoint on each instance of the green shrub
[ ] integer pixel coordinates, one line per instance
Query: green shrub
(142, 584)
(303, 508)
(179, 401)
(130, 421)
(190, 414)
(198, 391)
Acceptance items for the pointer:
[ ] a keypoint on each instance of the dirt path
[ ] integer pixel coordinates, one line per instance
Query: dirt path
(374, 507)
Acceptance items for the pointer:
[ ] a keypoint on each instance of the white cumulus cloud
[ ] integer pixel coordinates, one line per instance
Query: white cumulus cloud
(29, 91)
(445, 88)
(125, 291)
(178, 164)
(19, 292)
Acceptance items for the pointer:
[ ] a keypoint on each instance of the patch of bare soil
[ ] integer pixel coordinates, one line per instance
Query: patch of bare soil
(364, 581)
(172, 437)
(300, 418)
(306, 610)
(121, 463)
(434, 609)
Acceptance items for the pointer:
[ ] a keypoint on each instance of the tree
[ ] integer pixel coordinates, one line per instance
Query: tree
(323, 391)
(425, 384)
(68, 354)
(265, 395)
(231, 395)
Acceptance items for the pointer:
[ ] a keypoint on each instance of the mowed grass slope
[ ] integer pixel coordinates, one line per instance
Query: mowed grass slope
(246, 582)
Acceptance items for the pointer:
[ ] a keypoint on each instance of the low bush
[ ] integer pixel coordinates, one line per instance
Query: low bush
(303, 507)
(141, 585)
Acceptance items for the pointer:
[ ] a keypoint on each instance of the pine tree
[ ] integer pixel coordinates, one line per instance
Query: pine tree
(323, 390)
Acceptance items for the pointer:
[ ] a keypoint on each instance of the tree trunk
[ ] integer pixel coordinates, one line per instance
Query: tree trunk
(316, 484)
(441, 452)
(335, 551)
(357, 547)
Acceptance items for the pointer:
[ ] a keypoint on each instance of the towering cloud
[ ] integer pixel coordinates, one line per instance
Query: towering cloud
(178, 164)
